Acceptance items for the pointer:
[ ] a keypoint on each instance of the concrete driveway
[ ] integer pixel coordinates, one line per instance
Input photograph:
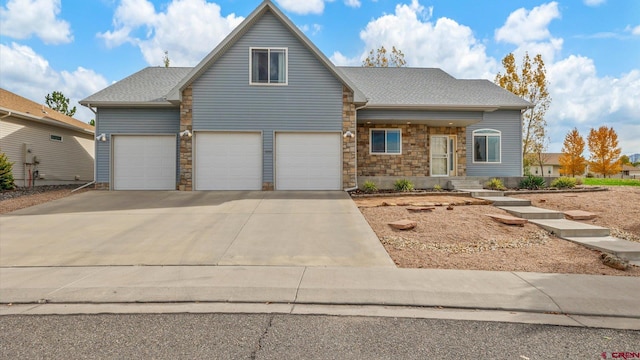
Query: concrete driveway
(192, 228)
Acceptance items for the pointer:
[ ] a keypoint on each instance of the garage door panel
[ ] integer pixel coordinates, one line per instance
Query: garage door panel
(145, 162)
(228, 161)
(308, 161)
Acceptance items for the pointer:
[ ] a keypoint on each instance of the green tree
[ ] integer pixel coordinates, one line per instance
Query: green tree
(571, 161)
(530, 83)
(381, 58)
(6, 173)
(92, 122)
(605, 153)
(165, 59)
(624, 160)
(58, 102)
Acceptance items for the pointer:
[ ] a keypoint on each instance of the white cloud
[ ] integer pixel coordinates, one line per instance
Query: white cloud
(443, 43)
(634, 30)
(23, 18)
(28, 74)
(523, 26)
(137, 22)
(302, 7)
(353, 3)
(594, 2)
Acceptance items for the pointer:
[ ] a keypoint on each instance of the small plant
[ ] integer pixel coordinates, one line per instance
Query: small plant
(532, 182)
(437, 187)
(579, 181)
(6, 173)
(495, 184)
(564, 182)
(403, 185)
(369, 187)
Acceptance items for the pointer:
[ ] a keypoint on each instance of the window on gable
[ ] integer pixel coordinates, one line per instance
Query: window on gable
(486, 146)
(57, 138)
(386, 141)
(268, 66)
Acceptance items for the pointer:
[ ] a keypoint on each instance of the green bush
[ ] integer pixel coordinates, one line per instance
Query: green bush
(564, 182)
(369, 187)
(590, 175)
(6, 173)
(437, 187)
(495, 184)
(532, 182)
(403, 185)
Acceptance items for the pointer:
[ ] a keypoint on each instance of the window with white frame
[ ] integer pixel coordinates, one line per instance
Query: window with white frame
(268, 66)
(385, 141)
(486, 146)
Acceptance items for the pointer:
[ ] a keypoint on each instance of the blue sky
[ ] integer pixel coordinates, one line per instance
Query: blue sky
(591, 47)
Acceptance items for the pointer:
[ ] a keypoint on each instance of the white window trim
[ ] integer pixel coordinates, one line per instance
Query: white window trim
(286, 67)
(56, 140)
(497, 133)
(371, 130)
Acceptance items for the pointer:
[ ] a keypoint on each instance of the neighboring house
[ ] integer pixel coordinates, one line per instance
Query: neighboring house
(45, 146)
(629, 171)
(267, 110)
(551, 165)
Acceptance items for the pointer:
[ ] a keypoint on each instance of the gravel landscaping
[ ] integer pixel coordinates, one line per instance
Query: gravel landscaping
(21, 198)
(466, 238)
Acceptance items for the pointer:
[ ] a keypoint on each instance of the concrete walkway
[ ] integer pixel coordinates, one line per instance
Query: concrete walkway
(577, 300)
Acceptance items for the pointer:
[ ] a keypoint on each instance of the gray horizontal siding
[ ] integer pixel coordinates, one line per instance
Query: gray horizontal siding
(444, 116)
(224, 100)
(509, 123)
(131, 121)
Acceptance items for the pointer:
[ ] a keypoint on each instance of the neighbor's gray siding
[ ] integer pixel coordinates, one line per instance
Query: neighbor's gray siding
(408, 115)
(131, 121)
(509, 123)
(224, 100)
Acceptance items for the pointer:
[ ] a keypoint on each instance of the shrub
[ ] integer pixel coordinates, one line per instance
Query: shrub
(532, 182)
(590, 175)
(369, 187)
(6, 173)
(437, 187)
(564, 182)
(403, 185)
(579, 181)
(495, 184)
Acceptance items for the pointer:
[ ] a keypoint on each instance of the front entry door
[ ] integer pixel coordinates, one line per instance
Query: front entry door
(443, 155)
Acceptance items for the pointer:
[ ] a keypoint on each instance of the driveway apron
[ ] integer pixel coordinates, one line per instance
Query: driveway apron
(192, 228)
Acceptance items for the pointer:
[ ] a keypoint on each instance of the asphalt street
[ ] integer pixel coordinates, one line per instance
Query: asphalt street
(267, 336)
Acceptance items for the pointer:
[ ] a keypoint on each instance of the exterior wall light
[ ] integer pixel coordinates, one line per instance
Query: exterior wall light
(348, 134)
(102, 137)
(186, 133)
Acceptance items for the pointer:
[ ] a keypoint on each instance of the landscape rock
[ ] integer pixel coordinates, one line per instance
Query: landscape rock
(403, 224)
(421, 208)
(613, 261)
(580, 215)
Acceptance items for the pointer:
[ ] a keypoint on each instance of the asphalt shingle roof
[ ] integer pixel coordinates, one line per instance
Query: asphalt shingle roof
(16, 103)
(392, 87)
(427, 87)
(149, 85)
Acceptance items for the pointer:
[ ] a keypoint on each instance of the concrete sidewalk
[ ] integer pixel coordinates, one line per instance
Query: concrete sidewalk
(578, 296)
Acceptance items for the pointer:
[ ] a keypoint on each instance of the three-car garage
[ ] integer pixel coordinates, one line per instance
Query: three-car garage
(225, 160)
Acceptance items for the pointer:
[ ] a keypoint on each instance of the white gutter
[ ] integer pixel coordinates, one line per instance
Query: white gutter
(356, 152)
(5, 115)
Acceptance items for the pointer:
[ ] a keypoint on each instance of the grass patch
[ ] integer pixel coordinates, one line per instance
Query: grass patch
(611, 182)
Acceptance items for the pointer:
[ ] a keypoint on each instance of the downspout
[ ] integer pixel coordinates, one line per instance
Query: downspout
(95, 148)
(356, 152)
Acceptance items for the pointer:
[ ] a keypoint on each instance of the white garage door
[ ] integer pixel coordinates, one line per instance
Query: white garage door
(308, 161)
(228, 161)
(144, 162)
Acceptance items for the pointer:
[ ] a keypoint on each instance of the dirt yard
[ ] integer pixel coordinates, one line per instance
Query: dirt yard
(466, 238)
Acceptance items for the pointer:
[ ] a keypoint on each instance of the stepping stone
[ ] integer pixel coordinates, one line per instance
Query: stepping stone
(403, 224)
(580, 215)
(509, 220)
(421, 208)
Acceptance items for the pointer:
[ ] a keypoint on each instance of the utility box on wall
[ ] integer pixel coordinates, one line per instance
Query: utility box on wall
(28, 154)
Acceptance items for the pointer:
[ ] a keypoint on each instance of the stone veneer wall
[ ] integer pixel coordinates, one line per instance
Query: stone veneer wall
(101, 186)
(414, 160)
(186, 142)
(348, 143)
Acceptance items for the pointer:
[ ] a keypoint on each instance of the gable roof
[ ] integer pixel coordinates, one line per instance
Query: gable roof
(20, 107)
(430, 88)
(147, 87)
(266, 6)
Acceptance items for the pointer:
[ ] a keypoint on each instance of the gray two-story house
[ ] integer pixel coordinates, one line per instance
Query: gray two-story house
(266, 110)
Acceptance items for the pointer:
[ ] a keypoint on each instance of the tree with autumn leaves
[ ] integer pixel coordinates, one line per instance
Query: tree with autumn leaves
(605, 153)
(571, 161)
(382, 58)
